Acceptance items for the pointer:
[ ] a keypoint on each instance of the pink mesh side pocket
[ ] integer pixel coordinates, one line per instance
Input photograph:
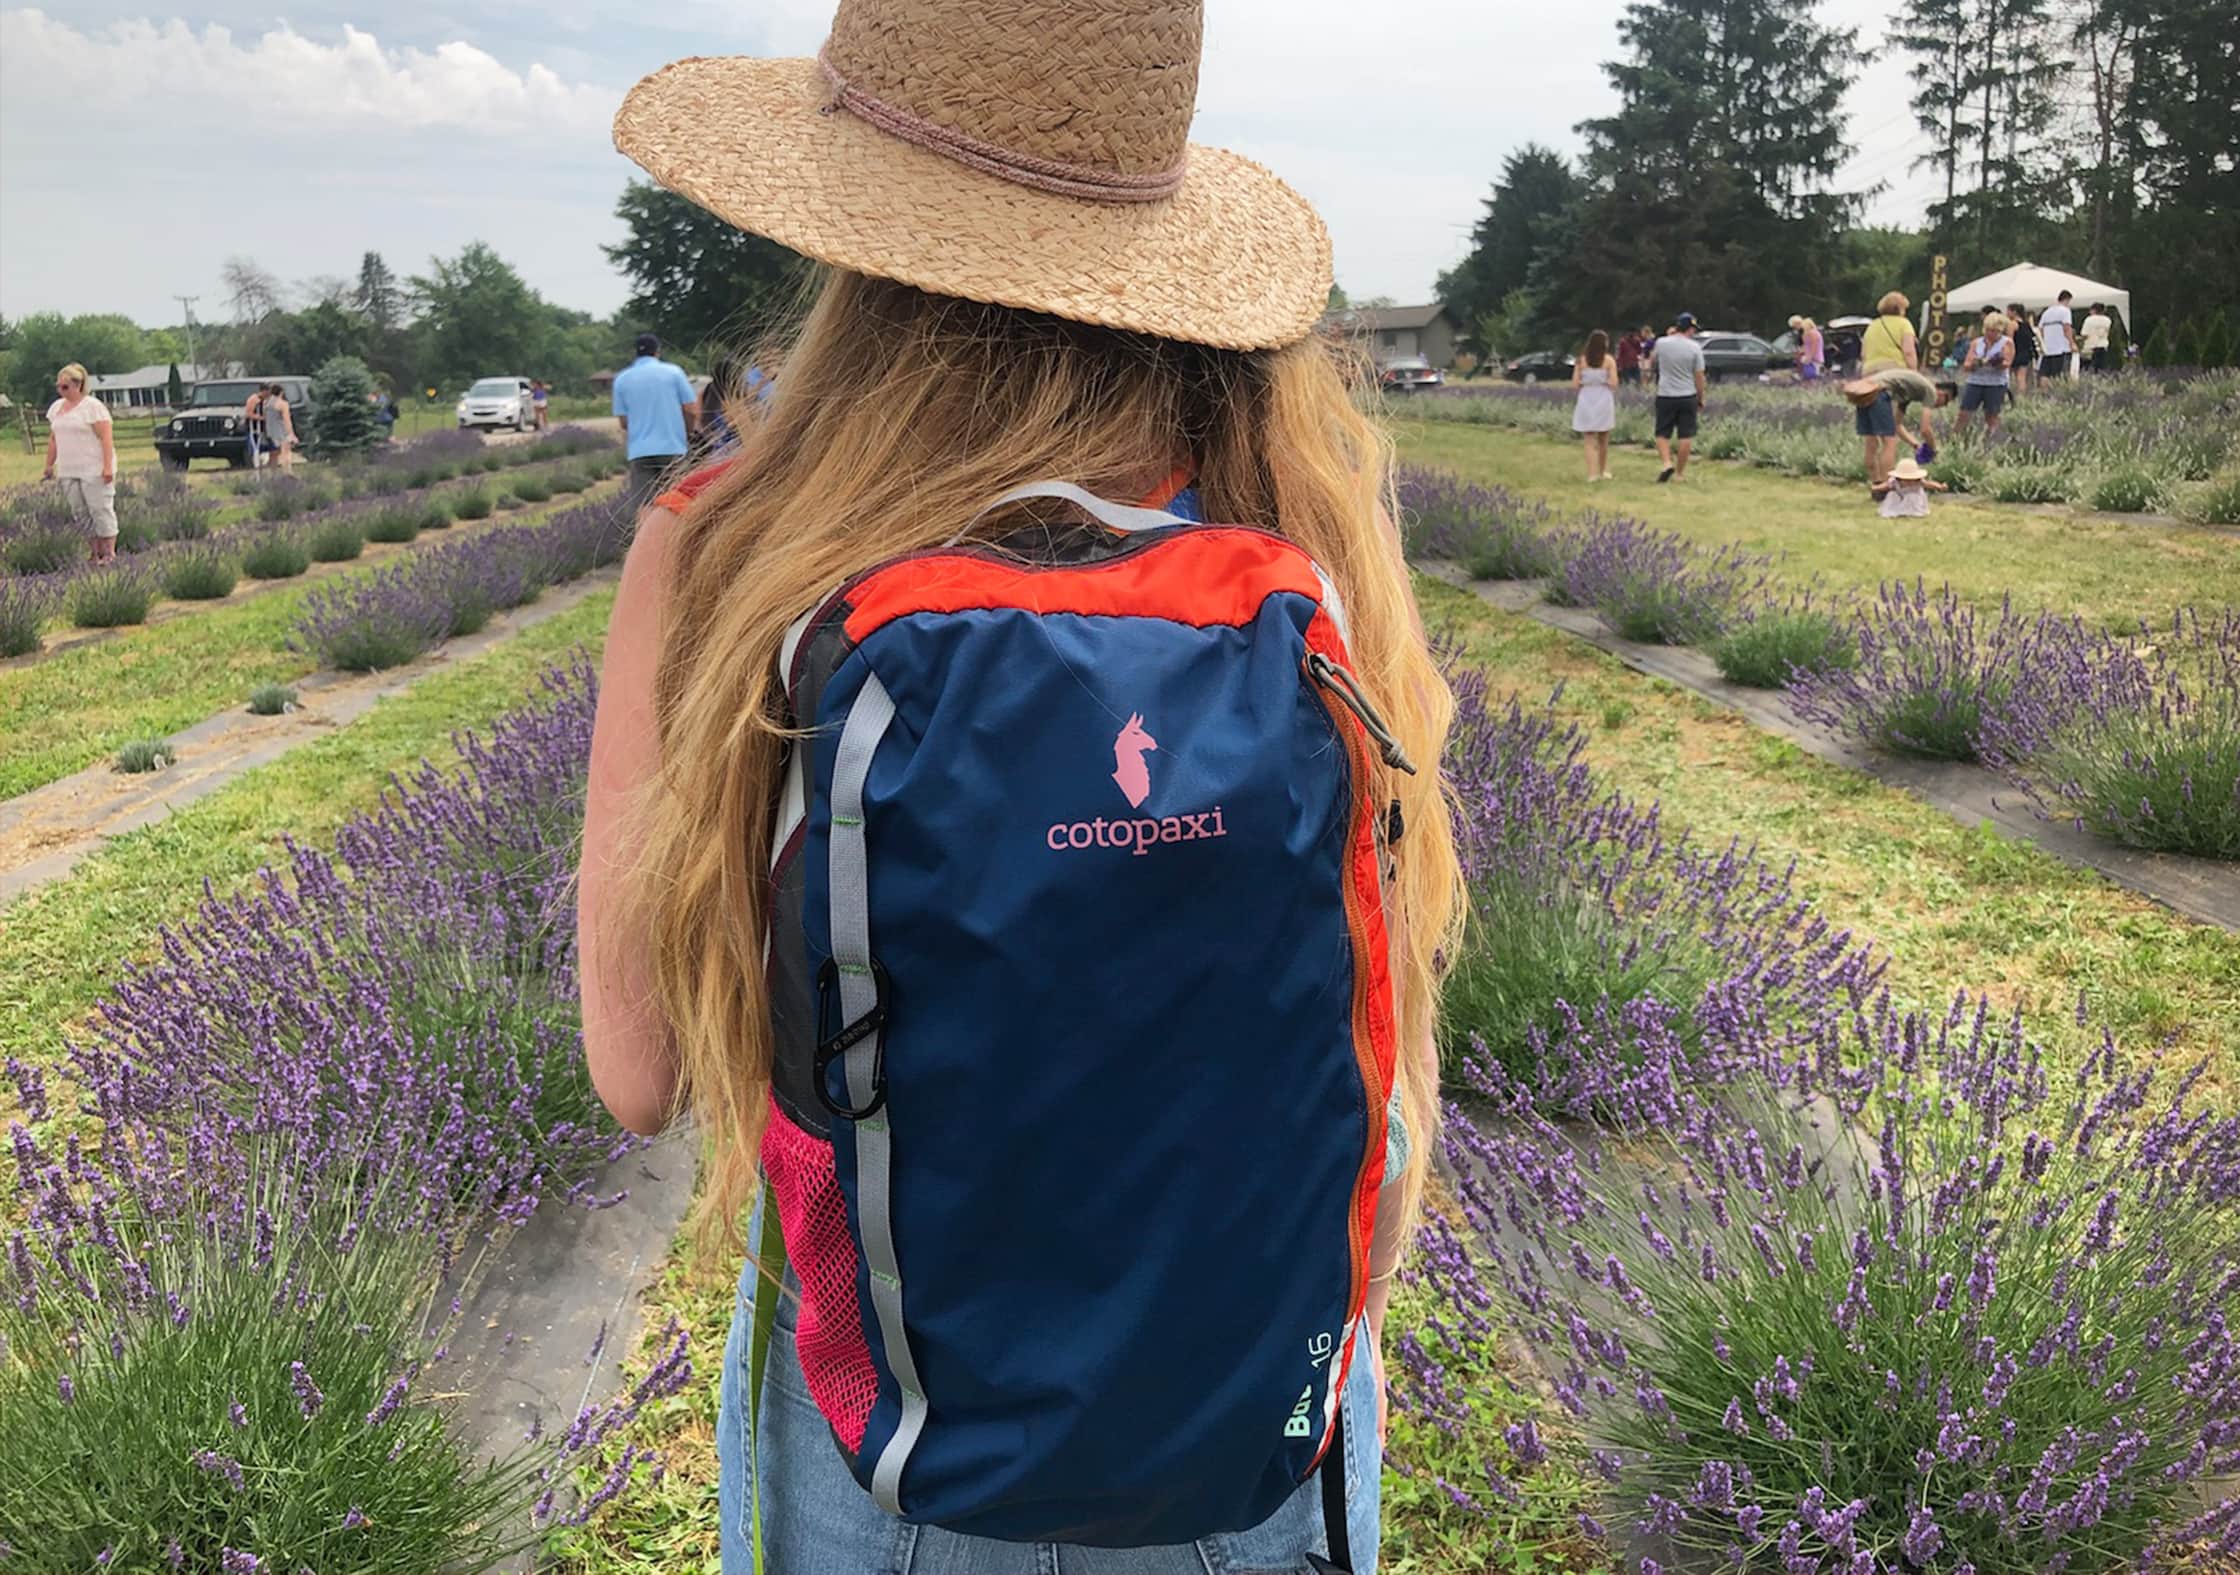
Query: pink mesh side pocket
(828, 1335)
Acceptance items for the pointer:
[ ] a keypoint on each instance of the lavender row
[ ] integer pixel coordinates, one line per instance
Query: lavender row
(1837, 1285)
(2124, 444)
(204, 564)
(388, 617)
(227, 1301)
(2133, 734)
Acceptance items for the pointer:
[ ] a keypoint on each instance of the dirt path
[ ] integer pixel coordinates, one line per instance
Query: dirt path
(44, 833)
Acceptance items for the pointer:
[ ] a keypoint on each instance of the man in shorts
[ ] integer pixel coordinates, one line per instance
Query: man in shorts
(1676, 363)
(1882, 399)
(2057, 338)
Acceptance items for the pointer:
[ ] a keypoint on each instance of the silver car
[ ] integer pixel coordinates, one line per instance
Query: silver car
(498, 402)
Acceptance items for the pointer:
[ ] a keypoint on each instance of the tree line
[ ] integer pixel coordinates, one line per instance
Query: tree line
(694, 280)
(2091, 135)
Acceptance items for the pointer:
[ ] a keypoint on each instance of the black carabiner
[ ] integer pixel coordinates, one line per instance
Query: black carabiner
(848, 1037)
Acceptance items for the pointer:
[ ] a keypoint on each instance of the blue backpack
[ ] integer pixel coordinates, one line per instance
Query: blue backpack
(1084, 1027)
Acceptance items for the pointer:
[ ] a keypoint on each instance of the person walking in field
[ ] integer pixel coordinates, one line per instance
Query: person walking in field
(1595, 410)
(1629, 359)
(2092, 337)
(2024, 327)
(1043, 670)
(659, 413)
(2057, 333)
(82, 456)
(1676, 364)
(1985, 366)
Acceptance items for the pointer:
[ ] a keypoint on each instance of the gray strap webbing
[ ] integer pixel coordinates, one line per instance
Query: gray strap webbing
(850, 881)
(1119, 516)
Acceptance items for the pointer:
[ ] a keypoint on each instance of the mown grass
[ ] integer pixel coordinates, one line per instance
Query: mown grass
(1954, 905)
(62, 713)
(2104, 569)
(61, 944)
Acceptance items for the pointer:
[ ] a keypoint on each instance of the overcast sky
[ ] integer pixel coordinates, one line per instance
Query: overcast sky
(138, 151)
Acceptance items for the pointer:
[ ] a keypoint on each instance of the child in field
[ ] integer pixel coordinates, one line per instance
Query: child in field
(1906, 494)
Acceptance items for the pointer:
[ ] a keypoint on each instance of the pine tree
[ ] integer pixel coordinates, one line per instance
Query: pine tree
(1535, 189)
(2185, 349)
(342, 413)
(1709, 188)
(2156, 351)
(378, 297)
(2216, 342)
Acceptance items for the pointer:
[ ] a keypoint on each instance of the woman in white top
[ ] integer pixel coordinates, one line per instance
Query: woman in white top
(1596, 412)
(82, 455)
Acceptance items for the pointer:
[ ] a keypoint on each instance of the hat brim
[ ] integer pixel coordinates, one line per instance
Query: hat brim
(1235, 258)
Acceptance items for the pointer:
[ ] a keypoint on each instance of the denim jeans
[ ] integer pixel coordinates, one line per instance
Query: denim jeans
(817, 1521)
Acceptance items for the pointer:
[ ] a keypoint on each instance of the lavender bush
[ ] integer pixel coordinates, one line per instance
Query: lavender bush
(382, 620)
(109, 595)
(1653, 586)
(1933, 680)
(26, 602)
(2149, 754)
(276, 553)
(1907, 1303)
(1772, 640)
(1585, 917)
(44, 549)
(1490, 532)
(222, 1312)
(200, 571)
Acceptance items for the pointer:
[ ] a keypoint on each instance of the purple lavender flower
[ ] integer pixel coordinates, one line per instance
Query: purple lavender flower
(309, 1398)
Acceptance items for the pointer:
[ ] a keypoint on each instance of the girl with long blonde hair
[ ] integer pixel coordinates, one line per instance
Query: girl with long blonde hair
(1088, 301)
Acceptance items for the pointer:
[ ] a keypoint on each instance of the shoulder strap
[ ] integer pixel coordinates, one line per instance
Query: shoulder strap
(770, 1265)
(1117, 516)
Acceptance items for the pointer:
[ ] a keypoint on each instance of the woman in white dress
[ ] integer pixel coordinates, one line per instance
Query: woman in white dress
(1596, 412)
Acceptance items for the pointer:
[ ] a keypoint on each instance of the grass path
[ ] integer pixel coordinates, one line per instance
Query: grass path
(59, 945)
(2096, 566)
(64, 712)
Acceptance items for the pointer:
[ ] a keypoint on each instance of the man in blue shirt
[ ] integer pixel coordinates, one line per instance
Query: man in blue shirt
(654, 400)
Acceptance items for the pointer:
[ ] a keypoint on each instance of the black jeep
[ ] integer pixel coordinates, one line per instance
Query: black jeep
(212, 426)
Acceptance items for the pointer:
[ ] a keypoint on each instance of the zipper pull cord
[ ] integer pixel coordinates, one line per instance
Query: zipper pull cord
(1342, 684)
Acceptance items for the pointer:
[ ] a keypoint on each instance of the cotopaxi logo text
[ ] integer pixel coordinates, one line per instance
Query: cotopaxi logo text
(1136, 834)
(1133, 777)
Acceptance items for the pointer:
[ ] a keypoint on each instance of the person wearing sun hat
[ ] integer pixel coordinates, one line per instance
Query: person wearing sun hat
(1905, 494)
(1031, 276)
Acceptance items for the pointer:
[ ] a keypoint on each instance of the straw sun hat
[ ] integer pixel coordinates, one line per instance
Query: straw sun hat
(1907, 469)
(1031, 153)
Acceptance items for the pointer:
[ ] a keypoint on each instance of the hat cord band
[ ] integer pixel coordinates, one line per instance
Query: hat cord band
(1021, 169)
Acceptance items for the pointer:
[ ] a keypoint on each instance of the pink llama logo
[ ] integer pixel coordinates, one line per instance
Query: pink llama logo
(1129, 770)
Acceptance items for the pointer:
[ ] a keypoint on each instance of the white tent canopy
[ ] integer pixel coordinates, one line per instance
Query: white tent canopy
(2035, 288)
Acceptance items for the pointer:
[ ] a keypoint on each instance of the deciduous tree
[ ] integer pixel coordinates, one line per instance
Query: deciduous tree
(696, 280)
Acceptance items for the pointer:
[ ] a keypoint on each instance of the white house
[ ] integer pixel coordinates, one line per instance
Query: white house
(147, 388)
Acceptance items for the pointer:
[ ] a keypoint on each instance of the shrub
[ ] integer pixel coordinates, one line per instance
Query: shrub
(283, 499)
(2128, 489)
(435, 515)
(399, 522)
(1915, 1303)
(382, 620)
(2029, 483)
(474, 505)
(1491, 532)
(184, 520)
(144, 754)
(26, 602)
(109, 595)
(2150, 757)
(275, 555)
(344, 420)
(569, 478)
(135, 536)
(1930, 680)
(200, 572)
(531, 489)
(271, 699)
(336, 539)
(2156, 351)
(1773, 643)
(1652, 586)
(45, 551)
(2215, 502)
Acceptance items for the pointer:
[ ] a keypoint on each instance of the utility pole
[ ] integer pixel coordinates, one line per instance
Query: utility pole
(186, 303)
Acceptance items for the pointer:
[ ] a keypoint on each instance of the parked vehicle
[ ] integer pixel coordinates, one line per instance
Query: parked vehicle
(496, 402)
(1405, 374)
(211, 427)
(1541, 366)
(1731, 355)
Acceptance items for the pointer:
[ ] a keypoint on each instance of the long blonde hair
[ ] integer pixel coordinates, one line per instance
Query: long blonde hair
(900, 414)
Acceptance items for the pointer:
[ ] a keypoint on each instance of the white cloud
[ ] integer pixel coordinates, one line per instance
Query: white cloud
(297, 82)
